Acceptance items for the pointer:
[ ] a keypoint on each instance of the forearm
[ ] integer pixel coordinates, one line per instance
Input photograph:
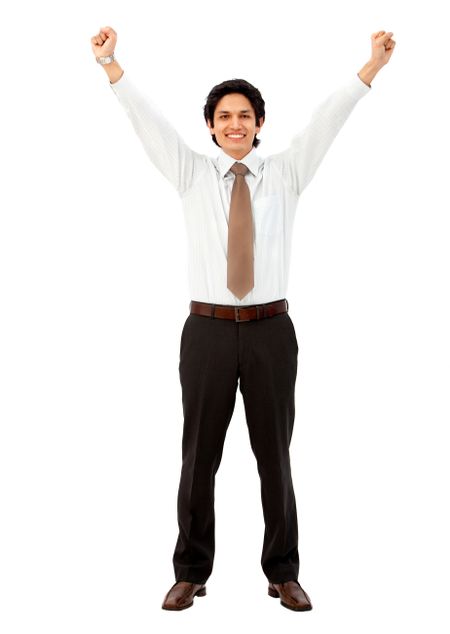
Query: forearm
(114, 71)
(368, 71)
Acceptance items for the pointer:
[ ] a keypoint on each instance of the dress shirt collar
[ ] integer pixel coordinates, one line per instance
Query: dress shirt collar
(250, 160)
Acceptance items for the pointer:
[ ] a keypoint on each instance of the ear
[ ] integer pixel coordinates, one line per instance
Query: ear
(261, 123)
(211, 127)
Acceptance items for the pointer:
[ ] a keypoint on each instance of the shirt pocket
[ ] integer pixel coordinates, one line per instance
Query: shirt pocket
(268, 215)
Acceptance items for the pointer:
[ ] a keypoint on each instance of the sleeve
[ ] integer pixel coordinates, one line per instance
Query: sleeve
(300, 161)
(162, 143)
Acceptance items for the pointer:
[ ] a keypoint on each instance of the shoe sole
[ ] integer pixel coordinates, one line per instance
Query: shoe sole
(199, 593)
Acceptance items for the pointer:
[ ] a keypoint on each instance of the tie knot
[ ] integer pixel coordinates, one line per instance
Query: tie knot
(239, 169)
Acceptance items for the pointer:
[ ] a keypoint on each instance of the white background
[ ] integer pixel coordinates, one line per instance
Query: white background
(91, 415)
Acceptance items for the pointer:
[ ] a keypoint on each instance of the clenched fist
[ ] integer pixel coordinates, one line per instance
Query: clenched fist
(104, 43)
(382, 47)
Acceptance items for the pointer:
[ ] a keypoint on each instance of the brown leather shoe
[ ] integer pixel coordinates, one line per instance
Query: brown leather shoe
(291, 595)
(181, 595)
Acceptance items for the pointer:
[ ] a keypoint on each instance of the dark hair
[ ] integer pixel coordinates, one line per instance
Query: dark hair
(230, 86)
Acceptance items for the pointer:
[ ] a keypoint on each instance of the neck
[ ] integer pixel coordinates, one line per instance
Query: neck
(236, 154)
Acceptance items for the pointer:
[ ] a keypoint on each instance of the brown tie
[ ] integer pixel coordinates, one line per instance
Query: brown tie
(240, 235)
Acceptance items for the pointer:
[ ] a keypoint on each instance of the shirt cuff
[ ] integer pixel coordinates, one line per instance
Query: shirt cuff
(362, 87)
(122, 81)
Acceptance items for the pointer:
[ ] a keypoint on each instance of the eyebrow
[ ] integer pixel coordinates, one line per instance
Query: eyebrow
(227, 111)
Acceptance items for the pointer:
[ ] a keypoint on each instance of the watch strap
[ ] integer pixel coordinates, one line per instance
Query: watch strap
(107, 59)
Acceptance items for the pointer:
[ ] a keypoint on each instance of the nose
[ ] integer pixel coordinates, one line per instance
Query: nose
(235, 123)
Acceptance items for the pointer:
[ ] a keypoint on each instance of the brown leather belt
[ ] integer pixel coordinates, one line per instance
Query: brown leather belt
(239, 313)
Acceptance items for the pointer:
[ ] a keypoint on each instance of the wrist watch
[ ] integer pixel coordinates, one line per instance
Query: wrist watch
(106, 60)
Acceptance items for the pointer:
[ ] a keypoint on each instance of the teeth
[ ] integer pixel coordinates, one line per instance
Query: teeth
(236, 136)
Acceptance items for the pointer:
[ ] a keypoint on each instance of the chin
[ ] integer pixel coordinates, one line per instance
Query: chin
(241, 148)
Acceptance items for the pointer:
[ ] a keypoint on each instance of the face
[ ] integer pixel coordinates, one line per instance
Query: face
(235, 125)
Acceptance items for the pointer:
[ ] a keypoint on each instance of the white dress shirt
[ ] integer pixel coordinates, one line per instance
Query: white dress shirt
(204, 185)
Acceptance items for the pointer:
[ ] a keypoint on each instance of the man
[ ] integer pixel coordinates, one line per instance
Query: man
(239, 210)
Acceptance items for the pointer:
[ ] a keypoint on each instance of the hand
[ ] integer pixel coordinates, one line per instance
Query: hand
(382, 47)
(104, 43)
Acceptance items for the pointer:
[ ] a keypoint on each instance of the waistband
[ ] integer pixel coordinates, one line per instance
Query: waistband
(239, 313)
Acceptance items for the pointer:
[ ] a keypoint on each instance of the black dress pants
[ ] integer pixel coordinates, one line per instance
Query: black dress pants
(216, 355)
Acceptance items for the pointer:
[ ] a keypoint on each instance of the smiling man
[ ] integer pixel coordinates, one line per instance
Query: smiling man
(239, 210)
(232, 120)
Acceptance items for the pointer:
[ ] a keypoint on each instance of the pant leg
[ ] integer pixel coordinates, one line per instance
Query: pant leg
(268, 367)
(209, 375)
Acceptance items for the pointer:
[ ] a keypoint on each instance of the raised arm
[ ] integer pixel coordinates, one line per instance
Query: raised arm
(162, 143)
(300, 161)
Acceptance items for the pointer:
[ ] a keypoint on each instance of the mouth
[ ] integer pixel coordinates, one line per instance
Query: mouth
(235, 137)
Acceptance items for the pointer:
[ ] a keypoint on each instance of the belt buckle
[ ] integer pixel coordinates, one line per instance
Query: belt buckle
(236, 315)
